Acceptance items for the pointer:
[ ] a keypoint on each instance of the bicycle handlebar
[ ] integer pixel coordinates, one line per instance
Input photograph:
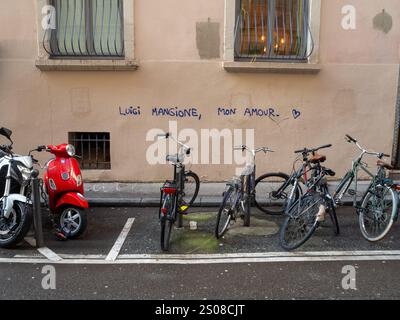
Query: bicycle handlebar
(350, 139)
(380, 155)
(307, 151)
(167, 135)
(243, 148)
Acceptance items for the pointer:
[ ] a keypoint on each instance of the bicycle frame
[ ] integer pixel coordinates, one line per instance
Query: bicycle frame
(178, 179)
(352, 175)
(246, 187)
(294, 179)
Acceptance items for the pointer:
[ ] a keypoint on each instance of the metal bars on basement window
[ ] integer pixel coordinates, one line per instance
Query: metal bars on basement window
(86, 28)
(273, 30)
(92, 149)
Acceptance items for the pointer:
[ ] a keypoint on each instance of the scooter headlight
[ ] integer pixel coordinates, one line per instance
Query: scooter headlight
(79, 180)
(70, 150)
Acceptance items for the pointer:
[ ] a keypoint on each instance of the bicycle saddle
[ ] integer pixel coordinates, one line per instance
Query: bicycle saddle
(176, 158)
(317, 158)
(385, 165)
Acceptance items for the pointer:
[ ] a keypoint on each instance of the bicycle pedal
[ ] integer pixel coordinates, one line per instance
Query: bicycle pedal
(184, 210)
(351, 192)
(338, 203)
(359, 209)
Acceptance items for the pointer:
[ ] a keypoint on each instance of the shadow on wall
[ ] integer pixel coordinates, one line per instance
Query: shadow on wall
(208, 40)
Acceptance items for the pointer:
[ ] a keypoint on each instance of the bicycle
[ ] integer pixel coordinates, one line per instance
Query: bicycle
(239, 195)
(306, 214)
(176, 198)
(378, 208)
(276, 192)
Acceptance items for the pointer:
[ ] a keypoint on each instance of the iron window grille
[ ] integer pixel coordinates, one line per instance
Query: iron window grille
(86, 29)
(273, 30)
(92, 149)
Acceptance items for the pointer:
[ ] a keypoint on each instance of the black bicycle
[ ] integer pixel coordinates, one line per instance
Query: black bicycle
(239, 195)
(177, 195)
(276, 192)
(306, 214)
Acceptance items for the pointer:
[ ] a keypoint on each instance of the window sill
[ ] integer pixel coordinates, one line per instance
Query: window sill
(271, 67)
(86, 65)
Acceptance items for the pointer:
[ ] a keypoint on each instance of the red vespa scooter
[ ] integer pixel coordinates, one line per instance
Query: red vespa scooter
(64, 187)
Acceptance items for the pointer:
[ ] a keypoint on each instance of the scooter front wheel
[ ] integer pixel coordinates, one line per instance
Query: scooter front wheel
(73, 222)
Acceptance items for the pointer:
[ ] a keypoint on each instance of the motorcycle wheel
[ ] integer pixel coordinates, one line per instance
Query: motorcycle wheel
(20, 224)
(73, 222)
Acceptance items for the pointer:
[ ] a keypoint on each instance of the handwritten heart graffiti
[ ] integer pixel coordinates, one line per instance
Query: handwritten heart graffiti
(296, 114)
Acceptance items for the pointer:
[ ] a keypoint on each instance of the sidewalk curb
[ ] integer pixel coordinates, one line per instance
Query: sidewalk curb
(152, 202)
(144, 202)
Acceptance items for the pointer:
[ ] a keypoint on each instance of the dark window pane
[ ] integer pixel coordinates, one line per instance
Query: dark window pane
(92, 149)
(87, 28)
(272, 29)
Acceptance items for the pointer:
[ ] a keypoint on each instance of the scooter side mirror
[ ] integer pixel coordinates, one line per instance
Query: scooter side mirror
(6, 133)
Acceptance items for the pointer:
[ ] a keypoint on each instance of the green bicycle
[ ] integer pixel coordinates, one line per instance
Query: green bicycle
(378, 208)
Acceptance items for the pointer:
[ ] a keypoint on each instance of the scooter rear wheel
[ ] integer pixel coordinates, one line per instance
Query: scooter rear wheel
(73, 222)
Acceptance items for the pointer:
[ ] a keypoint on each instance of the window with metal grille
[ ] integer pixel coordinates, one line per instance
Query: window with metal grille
(86, 28)
(273, 30)
(92, 149)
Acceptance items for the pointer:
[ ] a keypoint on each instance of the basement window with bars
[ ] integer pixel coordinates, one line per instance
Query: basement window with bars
(92, 149)
(273, 30)
(86, 29)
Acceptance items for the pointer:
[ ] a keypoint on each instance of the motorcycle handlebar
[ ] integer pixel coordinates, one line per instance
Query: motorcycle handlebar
(6, 148)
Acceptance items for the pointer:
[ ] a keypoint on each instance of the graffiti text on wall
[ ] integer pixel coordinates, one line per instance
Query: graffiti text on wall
(252, 112)
(194, 113)
(176, 112)
(129, 111)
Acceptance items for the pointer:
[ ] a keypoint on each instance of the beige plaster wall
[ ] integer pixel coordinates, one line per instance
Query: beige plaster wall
(354, 93)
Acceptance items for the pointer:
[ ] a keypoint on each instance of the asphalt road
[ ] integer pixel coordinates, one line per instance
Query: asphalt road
(315, 280)
(377, 279)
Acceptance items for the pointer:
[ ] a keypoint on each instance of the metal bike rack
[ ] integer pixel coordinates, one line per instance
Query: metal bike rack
(37, 213)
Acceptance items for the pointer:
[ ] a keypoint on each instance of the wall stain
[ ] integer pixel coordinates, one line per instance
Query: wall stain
(80, 100)
(383, 21)
(208, 40)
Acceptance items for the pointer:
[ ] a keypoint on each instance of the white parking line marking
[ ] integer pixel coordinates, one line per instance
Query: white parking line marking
(269, 257)
(114, 252)
(288, 255)
(31, 241)
(49, 254)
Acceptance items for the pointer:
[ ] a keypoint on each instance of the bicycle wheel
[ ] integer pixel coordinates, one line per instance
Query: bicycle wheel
(377, 213)
(225, 212)
(167, 220)
(191, 190)
(272, 191)
(301, 221)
